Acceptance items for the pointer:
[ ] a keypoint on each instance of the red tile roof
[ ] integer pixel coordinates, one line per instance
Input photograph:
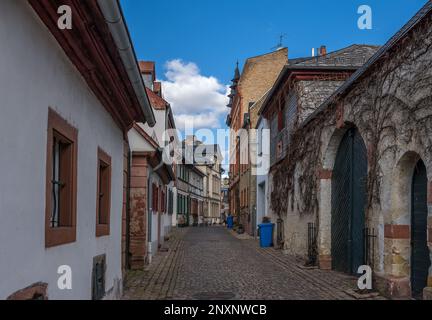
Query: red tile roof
(156, 102)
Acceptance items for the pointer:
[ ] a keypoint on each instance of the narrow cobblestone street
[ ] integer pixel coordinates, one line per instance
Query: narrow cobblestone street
(211, 263)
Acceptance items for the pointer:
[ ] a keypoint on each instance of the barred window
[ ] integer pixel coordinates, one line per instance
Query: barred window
(103, 204)
(60, 214)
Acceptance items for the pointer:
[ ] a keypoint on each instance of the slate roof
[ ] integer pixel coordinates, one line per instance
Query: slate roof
(297, 60)
(355, 55)
(349, 58)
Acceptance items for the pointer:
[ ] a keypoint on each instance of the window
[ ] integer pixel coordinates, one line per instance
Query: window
(103, 202)
(181, 172)
(163, 201)
(170, 202)
(61, 179)
(155, 199)
(178, 204)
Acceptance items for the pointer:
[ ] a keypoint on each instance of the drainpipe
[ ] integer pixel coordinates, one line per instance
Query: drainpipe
(128, 211)
(114, 18)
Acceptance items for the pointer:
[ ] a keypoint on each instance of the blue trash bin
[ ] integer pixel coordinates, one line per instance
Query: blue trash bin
(266, 234)
(230, 222)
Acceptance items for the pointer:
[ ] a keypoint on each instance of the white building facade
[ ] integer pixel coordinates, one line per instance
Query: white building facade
(261, 171)
(61, 199)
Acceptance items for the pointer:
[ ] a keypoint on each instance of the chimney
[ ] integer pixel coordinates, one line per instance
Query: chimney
(157, 88)
(313, 52)
(148, 72)
(323, 51)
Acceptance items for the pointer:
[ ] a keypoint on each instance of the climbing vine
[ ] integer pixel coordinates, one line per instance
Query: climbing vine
(391, 105)
(302, 159)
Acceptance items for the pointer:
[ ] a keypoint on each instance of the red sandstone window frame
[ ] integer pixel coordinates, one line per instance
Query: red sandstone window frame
(59, 128)
(103, 195)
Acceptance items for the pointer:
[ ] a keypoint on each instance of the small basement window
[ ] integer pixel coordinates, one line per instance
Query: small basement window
(98, 277)
(60, 214)
(103, 204)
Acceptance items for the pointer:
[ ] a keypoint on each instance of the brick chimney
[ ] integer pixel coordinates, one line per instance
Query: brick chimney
(148, 71)
(157, 88)
(322, 50)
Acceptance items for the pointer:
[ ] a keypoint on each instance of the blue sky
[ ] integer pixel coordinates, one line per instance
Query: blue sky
(195, 43)
(215, 33)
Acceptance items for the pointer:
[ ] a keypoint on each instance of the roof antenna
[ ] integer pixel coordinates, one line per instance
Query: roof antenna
(280, 44)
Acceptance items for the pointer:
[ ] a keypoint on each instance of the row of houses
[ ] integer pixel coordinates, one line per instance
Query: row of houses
(199, 183)
(336, 150)
(91, 185)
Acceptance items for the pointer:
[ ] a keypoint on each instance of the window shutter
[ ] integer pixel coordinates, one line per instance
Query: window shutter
(157, 199)
(153, 196)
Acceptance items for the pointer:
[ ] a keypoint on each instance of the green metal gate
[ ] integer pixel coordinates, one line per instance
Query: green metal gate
(420, 260)
(348, 203)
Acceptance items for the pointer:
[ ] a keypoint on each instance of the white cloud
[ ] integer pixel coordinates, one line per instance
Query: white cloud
(194, 97)
(202, 120)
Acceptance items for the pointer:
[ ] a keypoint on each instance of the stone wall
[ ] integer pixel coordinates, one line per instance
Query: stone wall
(391, 106)
(138, 212)
(314, 92)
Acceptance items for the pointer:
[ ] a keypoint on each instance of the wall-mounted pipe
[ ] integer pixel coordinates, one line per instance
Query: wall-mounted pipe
(114, 18)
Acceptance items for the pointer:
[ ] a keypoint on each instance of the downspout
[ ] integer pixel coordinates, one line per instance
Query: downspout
(113, 15)
(149, 208)
(128, 184)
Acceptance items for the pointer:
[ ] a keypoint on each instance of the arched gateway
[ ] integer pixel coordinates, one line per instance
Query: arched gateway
(348, 203)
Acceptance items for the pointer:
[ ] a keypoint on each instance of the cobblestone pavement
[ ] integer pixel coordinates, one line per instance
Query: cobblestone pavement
(211, 263)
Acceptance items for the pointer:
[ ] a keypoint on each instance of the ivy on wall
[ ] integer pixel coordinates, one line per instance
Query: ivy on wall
(391, 105)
